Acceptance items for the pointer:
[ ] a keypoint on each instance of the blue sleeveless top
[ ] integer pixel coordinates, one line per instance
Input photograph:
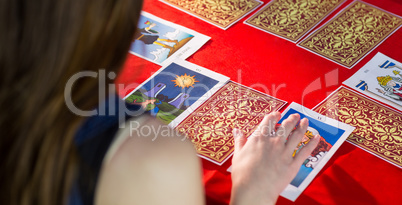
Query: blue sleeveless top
(92, 140)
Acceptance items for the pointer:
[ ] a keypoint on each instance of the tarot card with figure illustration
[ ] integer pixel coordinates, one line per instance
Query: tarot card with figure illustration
(210, 126)
(220, 13)
(176, 90)
(352, 33)
(380, 78)
(161, 41)
(378, 127)
(291, 20)
(332, 134)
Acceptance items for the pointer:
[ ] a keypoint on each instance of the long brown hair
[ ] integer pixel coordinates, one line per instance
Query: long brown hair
(42, 44)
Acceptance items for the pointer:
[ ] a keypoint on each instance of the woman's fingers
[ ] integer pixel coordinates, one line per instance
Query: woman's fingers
(267, 125)
(297, 135)
(306, 150)
(265, 129)
(288, 126)
(239, 140)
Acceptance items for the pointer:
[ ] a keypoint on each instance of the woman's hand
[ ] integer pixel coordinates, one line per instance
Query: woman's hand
(262, 165)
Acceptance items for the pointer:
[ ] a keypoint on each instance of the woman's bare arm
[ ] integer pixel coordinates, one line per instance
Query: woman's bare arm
(152, 169)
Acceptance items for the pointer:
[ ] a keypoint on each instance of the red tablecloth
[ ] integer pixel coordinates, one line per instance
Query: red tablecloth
(278, 67)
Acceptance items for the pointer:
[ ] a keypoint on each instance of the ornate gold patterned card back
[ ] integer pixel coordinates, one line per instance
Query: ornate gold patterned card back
(292, 19)
(352, 34)
(221, 13)
(234, 106)
(378, 128)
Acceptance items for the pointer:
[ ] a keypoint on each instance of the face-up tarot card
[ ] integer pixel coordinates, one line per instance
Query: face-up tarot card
(352, 33)
(378, 128)
(220, 13)
(176, 90)
(161, 41)
(333, 133)
(210, 126)
(380, 78)
(291, 20)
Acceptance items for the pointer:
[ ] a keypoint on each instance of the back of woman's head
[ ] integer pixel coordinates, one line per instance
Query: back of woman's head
(42, 44)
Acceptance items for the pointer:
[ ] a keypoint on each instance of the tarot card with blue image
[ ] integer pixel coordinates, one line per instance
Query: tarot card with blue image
(175, 90)
(332, 134)
(160, 41)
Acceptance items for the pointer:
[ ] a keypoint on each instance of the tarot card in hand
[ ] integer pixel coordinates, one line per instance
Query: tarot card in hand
(332, 134)
(380, 78)
(161, 41)
(291, 20)
(352, 33)
(220, 13)
(175, 90)
(378, 127)
(210, 126)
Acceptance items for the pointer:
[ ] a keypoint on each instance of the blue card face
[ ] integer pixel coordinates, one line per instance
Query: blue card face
(170, 92)
(156, 40)
(329, 136)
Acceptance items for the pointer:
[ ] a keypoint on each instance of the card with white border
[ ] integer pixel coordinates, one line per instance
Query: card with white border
(380, 78)
(175, 90)
(332, 134)
(161, 41)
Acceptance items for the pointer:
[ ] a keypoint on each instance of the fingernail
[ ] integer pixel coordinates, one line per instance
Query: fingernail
(306, 119)
(236, 133)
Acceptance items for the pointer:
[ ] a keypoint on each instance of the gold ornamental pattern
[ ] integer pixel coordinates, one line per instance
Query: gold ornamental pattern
(234, 106)
(378, 128)
(221, 13)
(352, 34)
(292, 19)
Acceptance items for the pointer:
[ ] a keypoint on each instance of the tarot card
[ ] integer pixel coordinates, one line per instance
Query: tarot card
(380, 78)
(378, 127)
(161, 41)
(352, 34)
(293, 19)
(333, 133)
(220, 13)
(176, 90)
(234, 106)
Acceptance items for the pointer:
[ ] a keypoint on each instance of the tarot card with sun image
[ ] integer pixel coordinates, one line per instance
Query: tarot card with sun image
(173, 92)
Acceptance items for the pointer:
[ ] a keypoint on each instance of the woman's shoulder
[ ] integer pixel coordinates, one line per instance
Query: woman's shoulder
(146, 135)
(148, 153)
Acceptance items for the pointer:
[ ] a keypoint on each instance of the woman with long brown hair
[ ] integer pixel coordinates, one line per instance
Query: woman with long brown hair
(43, 43)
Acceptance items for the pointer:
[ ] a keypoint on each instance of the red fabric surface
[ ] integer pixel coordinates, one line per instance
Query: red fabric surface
(279, 68)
